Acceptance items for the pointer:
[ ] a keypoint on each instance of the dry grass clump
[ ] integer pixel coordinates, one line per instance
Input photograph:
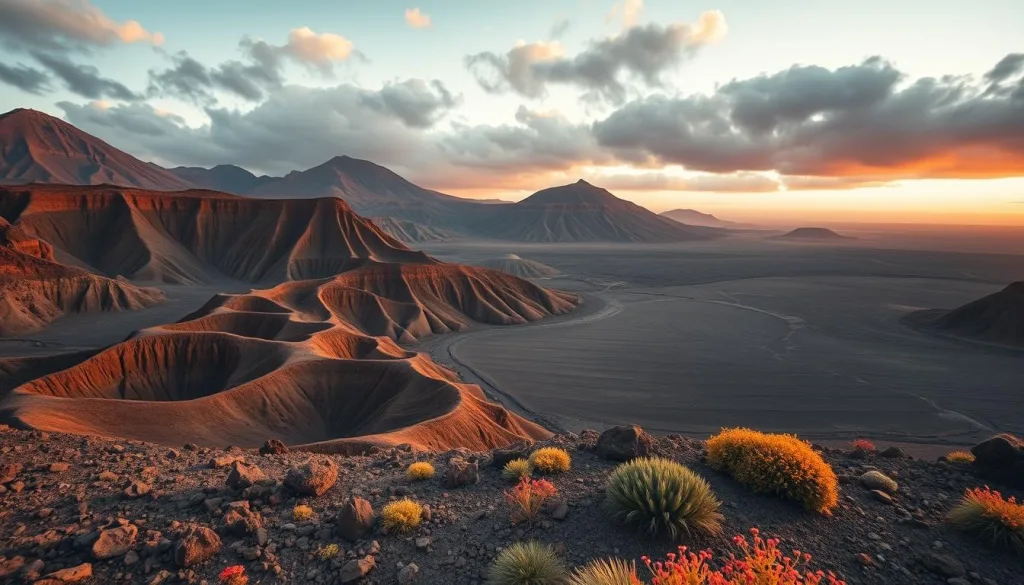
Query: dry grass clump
(517, 469)
(528, 498)
(995, 521)
(328, 552)
(961, 457)
(527, 563)
(863, 446)
(233, 575)
(661, 496)
(757, 562)
(303, 513)
(419, 471)
(777, 464)
(605, 572)
(550, 460)
(401, 516)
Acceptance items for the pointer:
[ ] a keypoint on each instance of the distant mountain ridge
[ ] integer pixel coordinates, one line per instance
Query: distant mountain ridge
(38, 148)
(224, 178)
(694, 217)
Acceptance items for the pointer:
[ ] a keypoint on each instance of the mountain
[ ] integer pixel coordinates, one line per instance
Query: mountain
(694, 217)
(517, 266)
(412, 232)
(38, 148)
(997, 318)
(581, 212)
(35, 289)
(200, 236)
(813, 234)
(372, 191)
(224, 178)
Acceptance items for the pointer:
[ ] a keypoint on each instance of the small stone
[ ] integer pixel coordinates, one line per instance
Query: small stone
(273, 447)
(240, 521)
(423, 543)
(9, 471)
(59, 467)
(357, 569)
(137, 489)
(72, 574)
(114, 542)
(876, 480)
(224, 461)
(108, 476)
(957, 581)
(131, 557)
(561, 510)
(243, 476)
(865, 559)
(881, 496)
(943, 565)
(407, 575)
(160, 578)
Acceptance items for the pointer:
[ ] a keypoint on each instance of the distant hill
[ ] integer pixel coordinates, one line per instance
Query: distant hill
(224, 178)
(581, 212)
(412, 232)
(521, 267)
(813, 234)
(997, 318)
(38, 148)
(694, 217)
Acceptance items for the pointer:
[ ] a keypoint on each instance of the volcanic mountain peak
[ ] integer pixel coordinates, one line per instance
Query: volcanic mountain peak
(38, 148)
(578, 193)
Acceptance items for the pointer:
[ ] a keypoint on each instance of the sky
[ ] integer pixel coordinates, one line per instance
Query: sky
(905, 111)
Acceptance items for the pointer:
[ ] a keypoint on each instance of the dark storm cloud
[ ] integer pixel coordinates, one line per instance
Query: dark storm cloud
(1008, 67)
(84, 80)
(417, 103)
(25, 78)
(643, 52)
(858, 120)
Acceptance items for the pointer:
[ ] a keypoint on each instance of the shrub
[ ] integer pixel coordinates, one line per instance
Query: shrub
(302, 513)
(401, 516)
(328, 552)
(527, 563)
(757, 562)
(550, 460)
(662, 497)
(605, 572)
(528, 497)
(517, 469)
(963, 457)
(234, 575)
(997, 522)
(777, 464)
(419, 471)
(863, 446)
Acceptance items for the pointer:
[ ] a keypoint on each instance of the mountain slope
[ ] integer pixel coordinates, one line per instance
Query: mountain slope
(37, 148)
(694, 217)
(224, 178)
(812, 234)
(200, 236)
(581, 212)
(997, 318)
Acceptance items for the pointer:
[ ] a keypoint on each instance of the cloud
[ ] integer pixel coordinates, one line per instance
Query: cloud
(558, 29)
(628, 10)
(415, 102)
(25, 78)
(661, 181)
(321, 49)
(416, 19)
(642, 53)
(63, 25)
(859, 121)
(84, 80)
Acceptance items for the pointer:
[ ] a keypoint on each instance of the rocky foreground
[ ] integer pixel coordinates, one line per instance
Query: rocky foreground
(90, 510)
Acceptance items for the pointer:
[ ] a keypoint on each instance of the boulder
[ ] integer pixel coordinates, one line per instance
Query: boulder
(501, 457)
(196, 545)
(114, 542)
(312, 478)
(624, 443)
(461, 472)
(241, 521)
(407, 574)
(243, 476)
(893, 453)
(224, 461)
(355, 519)
(356, 569)
(1000, 459)
(943, 565)
(876, 480)
(273, 447)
